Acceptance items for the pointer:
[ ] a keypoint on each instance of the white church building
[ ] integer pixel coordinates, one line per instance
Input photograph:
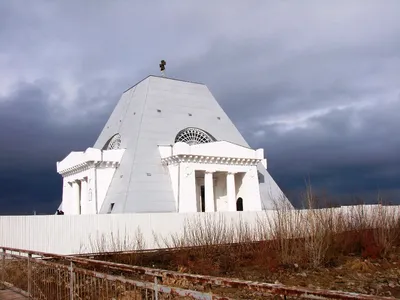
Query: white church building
(168, 146)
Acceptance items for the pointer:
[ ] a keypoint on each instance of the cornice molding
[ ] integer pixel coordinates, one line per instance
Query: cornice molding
(88, 165)
(201, 159)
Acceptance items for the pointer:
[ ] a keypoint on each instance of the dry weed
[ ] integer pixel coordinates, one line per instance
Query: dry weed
(116, 242)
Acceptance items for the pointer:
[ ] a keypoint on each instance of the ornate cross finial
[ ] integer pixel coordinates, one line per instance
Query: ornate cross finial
(162, 67)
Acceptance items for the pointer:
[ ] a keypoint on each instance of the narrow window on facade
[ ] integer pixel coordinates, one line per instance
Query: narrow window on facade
(111, 208)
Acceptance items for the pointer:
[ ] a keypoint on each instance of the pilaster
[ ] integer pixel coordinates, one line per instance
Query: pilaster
(76, 198)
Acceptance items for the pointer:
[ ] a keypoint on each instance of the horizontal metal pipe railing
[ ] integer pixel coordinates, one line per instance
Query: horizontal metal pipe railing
(193, 279)
(74, 271)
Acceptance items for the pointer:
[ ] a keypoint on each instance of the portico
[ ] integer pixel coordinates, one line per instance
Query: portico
(218, 191)
(85, 172)
(212, 176)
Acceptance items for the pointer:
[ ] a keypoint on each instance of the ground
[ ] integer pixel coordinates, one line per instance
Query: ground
(375, 277)
(350, 272)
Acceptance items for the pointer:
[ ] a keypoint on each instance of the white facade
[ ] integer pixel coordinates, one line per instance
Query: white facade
(167, 147)
(86, 178)
(216, 176)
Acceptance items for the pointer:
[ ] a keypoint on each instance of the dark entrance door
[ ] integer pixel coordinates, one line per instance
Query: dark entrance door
(239, 204)
(202, 198)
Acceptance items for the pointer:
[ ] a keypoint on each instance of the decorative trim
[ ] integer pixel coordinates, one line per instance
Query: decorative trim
(182, 158)
(86, 166)
(113, 143)
(194, 136)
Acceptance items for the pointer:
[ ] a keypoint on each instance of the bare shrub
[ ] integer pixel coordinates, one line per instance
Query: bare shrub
(200, 230)
(207, 230)
(385, 228)
(116, 243)
(243, 232)
(284, 231)
(212, 243)
(358, 218)
(319, 230)
(318, 235)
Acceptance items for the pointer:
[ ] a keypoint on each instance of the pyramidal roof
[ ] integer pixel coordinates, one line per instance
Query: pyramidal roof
(150, 114)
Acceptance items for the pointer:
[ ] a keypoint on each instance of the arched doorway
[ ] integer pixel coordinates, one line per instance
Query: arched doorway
(239, 204)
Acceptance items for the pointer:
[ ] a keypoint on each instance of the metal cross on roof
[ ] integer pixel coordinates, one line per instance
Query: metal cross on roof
(162, 67)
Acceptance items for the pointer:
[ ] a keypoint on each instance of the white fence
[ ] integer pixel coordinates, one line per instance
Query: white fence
(72, 234)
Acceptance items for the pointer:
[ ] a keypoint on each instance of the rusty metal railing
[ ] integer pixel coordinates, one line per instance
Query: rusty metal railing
(36, 276)
(50, 276)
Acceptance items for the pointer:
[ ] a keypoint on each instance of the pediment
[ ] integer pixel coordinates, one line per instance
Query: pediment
(74, 155)
(76, 159)
(223, 147)
(218, 149)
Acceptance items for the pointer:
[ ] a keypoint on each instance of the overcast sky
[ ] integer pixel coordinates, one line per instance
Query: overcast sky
(316, 83)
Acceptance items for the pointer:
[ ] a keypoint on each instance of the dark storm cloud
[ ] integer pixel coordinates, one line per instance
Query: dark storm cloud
(29, 125)
(353, 151)
(315, 78)
(33, 140)
(316, 84)
(328, 116)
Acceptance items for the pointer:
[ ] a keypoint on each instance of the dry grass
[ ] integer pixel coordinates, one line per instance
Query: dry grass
(284, 239)
(208, 230)
(310, 238)
(115, 242)
(386, 229)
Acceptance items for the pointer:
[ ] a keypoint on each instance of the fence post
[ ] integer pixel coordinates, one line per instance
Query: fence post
(29, 275)
(3, 265)
(156, 287)
(71, 281)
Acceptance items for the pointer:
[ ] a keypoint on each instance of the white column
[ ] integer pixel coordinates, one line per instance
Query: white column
(187, 191)
(76, 195)
(231, 191)
(209, 191)
(84, 194)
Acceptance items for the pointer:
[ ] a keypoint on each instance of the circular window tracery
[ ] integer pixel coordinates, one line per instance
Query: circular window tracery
(113, 143)
(194, 136)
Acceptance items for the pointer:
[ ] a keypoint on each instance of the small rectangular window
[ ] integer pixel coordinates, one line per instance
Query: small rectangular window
(111, 208)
